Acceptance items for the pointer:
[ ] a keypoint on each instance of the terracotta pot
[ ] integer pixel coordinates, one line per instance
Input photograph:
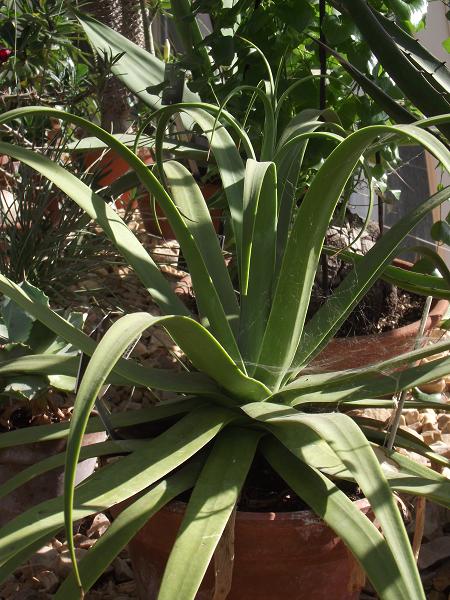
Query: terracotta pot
(45, 486)
(110, 167)
(364, 350)
(278, 556)
(114, 167)
(208, 191)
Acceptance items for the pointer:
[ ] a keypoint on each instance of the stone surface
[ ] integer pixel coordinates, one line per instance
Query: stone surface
(446, 427)
(122, 570)
(441, 580)
(411, 416)
(436, 517)
(48, 581)
(434, 551)
(429, 437)
(45, 558)
(434, 387)
(99, 525)
(64, 566)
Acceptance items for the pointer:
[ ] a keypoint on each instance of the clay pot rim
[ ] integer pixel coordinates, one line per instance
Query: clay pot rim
(177, 506)
(437, 311)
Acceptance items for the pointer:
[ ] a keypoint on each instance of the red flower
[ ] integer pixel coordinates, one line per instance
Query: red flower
(5, 53)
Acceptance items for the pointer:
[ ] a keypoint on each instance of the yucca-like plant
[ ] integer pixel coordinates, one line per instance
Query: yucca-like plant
(248, 390)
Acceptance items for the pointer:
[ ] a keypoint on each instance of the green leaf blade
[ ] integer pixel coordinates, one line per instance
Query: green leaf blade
(210, 278)
(355, 529)
(208, 511)
(124, 527)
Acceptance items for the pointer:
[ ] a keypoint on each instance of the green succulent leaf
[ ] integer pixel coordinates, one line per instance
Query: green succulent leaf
(58, 460)
(258, 256)
(291, 298)
(250, 339)
(137, 68)
(211, 504)
(192, 206)
(346, 296)
(118, 481)
(23, 387)
(109, 220)
(351, 446)
(130, 520)
(131, 371)
(18, 323)
(346, 519)
(56, 431)
(440, 231)
(199, 345)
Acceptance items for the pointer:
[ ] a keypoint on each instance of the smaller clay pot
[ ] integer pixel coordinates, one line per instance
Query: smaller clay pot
(109, 165)
(364, 350)
(114, 167)
(151, 226)
(45, 486)
(278, 556)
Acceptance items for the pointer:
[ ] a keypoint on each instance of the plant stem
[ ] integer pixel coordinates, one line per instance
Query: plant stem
(380, 202)
(402, 398)
(146, 25)
(322, 58)
(322, 106)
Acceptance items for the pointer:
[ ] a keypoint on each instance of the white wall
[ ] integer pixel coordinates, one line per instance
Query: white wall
(436, 31)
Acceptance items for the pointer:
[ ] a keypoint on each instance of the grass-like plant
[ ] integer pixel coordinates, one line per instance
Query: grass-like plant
(248, 389)
(21, 336)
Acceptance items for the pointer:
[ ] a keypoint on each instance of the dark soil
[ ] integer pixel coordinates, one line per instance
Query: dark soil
(383, 308)
(265, 491)
(19, 414)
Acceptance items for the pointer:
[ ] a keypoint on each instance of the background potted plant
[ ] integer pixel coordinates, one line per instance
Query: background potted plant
(28, 400)
(247, 393)
(296, 140)
(297, 58)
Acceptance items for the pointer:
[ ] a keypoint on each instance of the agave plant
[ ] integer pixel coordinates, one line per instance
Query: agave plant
(249, 389)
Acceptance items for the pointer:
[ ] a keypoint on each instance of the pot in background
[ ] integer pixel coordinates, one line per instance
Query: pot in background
(208, 190)
(278, 556)
(364, 350)
(45, 486)
(111, 167)
(359, 351)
